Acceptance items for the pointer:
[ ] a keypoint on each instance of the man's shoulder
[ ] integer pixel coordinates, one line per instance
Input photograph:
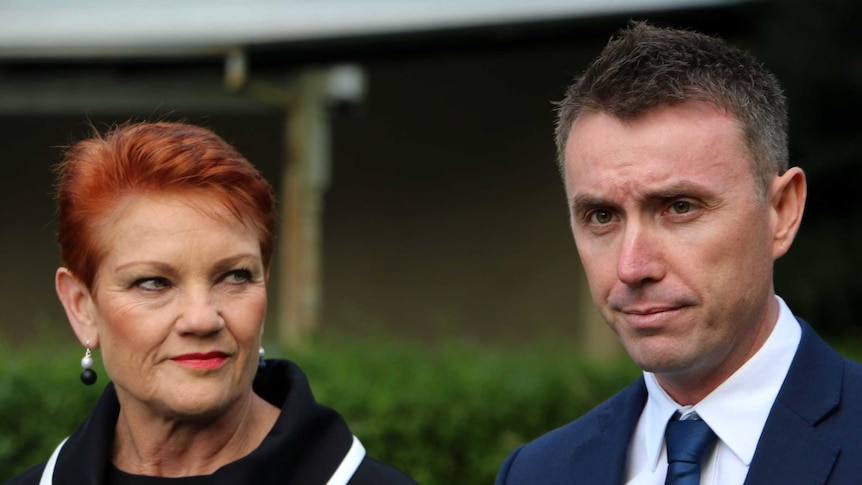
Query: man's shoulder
(591, 423)
(550, 456)
(854, 368)
(816, 358)
(812, 429)
(852, 383)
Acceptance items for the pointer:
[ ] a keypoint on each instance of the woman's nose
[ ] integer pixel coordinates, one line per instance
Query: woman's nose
(199, 313)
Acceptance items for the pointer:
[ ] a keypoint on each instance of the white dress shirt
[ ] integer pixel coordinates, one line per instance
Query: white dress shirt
(736, 411)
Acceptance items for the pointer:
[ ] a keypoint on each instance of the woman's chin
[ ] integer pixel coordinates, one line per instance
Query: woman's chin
(187, 400)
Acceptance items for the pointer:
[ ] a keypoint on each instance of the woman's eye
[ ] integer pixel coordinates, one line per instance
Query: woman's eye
(237, 276)
(680, 207)
(601, 217)
(152, 284)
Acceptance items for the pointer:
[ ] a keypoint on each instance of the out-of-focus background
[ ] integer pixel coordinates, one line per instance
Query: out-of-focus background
(424, 224)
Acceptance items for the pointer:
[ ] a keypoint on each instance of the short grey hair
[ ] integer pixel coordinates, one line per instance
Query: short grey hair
(644, 67)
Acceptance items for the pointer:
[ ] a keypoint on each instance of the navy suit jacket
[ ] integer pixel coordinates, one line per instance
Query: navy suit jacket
(813, 435)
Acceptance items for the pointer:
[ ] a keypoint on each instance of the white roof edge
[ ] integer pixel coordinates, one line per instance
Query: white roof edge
(194, 27)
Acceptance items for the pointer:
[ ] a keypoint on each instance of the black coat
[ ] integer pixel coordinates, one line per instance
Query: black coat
(305, 446)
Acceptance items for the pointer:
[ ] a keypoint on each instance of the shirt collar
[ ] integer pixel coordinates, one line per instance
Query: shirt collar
(740, 404)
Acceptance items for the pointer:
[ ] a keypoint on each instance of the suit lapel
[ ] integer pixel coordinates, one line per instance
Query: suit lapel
(791, 449)
(601, 457)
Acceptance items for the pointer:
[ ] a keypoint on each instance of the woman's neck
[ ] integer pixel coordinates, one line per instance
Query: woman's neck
(149, 443)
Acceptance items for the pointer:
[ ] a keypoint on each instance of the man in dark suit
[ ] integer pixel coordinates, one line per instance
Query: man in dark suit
(673, 149)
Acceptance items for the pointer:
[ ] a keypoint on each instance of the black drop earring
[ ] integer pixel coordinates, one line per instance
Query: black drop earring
(88, 375)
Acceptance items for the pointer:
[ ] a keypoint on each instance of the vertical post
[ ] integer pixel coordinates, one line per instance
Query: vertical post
(305, 178)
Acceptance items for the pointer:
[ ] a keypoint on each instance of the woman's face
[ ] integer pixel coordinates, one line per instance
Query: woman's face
(178, 303)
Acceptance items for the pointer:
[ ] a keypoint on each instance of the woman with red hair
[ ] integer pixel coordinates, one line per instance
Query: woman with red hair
(166, 234)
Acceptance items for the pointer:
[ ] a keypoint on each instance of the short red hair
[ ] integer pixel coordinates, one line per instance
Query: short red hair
(136, 158)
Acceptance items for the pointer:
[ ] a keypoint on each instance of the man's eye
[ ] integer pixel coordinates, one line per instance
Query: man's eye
(152, 284)
(680, 207)
(601, 217)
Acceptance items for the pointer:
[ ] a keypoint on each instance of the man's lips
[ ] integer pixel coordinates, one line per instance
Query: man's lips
(649, 316)
(649, 310)
(208, 360)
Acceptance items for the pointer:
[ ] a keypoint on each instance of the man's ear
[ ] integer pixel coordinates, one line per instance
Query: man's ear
(787, 194)
(78, 303)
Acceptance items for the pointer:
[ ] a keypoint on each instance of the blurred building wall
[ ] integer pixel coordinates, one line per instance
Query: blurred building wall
(445, 218)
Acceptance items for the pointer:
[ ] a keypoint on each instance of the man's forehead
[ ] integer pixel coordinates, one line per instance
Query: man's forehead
(683, 151)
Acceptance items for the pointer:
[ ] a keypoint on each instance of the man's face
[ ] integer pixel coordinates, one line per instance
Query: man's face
(676, 241)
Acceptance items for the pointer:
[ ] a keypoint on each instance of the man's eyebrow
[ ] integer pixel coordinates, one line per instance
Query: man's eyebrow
(684, 188)
(679, 189)
(582, 202)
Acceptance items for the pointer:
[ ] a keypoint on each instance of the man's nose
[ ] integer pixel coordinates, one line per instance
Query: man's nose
(641, 256)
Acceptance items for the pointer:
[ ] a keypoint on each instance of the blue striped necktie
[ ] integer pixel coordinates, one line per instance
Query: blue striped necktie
(688, 443)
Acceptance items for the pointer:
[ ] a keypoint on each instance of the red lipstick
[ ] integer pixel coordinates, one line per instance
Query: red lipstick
(206, 361)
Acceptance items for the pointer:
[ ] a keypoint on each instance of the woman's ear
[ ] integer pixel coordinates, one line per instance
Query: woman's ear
(787, 198)
(78, 303)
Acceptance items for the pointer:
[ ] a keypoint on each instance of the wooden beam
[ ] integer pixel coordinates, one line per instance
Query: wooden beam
(305, 178)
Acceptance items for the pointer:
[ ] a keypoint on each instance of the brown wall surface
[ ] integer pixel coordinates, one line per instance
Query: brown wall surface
(445, 217)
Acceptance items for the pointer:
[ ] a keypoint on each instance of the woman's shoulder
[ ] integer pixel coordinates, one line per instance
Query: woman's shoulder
(373, 472)
(31, 476)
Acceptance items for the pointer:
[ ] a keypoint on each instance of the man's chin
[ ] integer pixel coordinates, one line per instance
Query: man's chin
(659, 358)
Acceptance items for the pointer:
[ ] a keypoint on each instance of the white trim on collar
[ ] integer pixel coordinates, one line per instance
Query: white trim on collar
(349, 464)
(48, 472)
(342, 474)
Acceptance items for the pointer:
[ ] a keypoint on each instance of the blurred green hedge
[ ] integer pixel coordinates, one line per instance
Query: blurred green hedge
(444, 414)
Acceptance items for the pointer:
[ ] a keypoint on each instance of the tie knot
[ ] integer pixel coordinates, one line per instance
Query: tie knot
(688, 441)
